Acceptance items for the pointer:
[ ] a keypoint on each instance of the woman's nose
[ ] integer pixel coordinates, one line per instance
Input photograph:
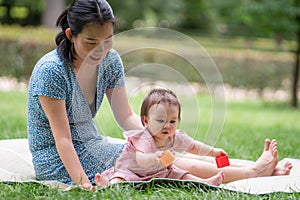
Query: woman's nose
(99, 48)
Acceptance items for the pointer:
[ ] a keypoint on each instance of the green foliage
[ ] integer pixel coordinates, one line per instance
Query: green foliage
(22, 12)
(20, 48)
(265, 18)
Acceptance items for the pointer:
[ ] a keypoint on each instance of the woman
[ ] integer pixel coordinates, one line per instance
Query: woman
(65, 92)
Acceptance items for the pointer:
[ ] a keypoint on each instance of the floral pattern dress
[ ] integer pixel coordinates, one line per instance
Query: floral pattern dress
(52, 77)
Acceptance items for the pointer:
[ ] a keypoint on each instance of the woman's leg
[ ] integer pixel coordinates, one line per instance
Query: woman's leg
(264, 166)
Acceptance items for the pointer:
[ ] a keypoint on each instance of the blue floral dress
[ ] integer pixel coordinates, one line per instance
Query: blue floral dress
(55, 78)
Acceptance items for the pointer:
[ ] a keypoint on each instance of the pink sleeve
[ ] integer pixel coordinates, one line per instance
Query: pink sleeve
(138, 140)
(183, 142)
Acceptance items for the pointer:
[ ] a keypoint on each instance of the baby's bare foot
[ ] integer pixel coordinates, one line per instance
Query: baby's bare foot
(217, 179)
(283, 170)
(267, 144)
(265, 164)
(101, 181)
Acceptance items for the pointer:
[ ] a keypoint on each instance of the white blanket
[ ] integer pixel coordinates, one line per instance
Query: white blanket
(16, 166)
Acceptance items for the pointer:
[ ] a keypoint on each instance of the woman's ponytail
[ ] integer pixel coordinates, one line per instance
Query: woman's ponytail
(64, 45)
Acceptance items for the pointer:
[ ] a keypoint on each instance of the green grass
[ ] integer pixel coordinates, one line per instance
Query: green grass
(246, 125)
(13, 114)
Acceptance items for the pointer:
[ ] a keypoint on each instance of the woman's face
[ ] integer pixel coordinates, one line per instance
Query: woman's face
(93, 43)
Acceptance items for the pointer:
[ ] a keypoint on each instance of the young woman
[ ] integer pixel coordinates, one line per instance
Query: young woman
(65, 92)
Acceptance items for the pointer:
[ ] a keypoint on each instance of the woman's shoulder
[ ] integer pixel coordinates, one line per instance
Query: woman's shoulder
(112, 56)
(113, 53)
(50, 62)
(51, 56)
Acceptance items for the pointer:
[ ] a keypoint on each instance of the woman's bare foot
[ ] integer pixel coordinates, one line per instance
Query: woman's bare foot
(283, 170)
(101, 181)
(216, 179)
(265, 164)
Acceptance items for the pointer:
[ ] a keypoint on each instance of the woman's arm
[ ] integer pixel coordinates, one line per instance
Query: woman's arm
(205, 150)
(123, 113)
(55, 111)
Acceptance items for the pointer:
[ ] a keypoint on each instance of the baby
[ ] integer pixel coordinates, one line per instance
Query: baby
(149, 152)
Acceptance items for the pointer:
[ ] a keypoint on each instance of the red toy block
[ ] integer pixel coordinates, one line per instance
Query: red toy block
(222, 161)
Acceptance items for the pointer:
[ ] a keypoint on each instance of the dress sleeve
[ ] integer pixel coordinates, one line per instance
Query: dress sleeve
(138, 140)
(49, 81)
(115, 70)
(183, 142)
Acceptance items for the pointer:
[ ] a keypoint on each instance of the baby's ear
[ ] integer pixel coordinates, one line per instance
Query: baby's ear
(145, 120)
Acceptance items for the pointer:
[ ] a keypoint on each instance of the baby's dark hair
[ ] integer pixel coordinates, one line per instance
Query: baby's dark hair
(157, 96)
(76, 17)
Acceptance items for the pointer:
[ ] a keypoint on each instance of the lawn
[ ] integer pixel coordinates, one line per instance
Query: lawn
(246, 125)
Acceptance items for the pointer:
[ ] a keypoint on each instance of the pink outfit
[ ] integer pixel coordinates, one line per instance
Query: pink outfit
(127, 168)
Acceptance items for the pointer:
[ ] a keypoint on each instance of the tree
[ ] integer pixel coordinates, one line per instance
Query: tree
(297, 54)
(26, 11)
(51, 11)
(280, 19)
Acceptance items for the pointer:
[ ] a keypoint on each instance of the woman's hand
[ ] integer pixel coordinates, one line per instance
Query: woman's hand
(88, 186)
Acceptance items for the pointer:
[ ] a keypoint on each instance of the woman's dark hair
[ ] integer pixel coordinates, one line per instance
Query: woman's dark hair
(76, 17)
(157, 96)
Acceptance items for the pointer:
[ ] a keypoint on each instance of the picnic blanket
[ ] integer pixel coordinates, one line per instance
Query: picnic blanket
(16, 166)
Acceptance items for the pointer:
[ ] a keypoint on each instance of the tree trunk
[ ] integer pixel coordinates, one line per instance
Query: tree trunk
(294, 102)
(52, 10)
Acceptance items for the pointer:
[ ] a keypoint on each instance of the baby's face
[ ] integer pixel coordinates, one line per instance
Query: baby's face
(162, 120)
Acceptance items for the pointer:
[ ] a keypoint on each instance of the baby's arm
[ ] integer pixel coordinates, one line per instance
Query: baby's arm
(147, 159)
(202, 149)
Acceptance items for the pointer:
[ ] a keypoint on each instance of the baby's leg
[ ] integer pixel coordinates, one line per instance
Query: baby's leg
(214, 180)
(283, 170)
(233, 163)
(264, 166)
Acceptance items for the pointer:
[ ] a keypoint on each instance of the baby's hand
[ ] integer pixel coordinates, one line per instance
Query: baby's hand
(218, 152)
(159, 154)
(167, 158)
